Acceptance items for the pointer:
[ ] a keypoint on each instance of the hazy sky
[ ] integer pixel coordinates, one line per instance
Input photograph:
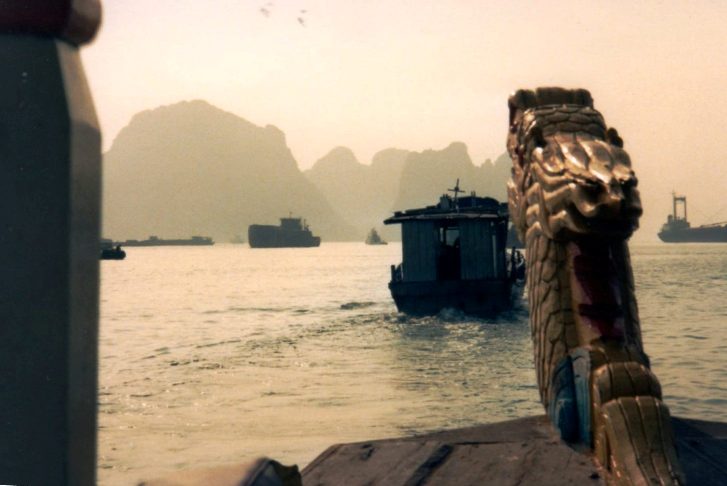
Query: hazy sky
(371, 74)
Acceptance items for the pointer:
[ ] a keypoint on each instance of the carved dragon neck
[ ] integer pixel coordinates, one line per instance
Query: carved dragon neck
(574, 201)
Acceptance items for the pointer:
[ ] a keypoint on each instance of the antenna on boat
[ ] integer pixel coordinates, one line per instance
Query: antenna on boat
(456, 191)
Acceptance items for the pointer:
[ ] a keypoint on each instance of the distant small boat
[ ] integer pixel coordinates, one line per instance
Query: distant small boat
(373, 238)
(156, 241)
(113, 254)
(292, 233)
(109, 252)
(237, 240)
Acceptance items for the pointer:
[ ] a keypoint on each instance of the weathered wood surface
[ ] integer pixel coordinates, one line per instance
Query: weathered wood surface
(516, 452)
(702, 449)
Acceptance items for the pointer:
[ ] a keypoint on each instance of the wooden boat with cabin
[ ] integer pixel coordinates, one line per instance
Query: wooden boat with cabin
(454, 256)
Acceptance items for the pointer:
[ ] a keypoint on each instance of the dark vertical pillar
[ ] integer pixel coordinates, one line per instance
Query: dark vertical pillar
(49, 243)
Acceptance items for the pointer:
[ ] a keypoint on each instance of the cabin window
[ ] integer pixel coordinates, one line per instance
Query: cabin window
(449, 236)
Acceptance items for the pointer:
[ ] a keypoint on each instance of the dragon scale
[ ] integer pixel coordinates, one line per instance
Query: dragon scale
(574, 202)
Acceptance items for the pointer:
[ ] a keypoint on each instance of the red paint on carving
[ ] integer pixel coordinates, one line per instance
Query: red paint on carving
(600, 305)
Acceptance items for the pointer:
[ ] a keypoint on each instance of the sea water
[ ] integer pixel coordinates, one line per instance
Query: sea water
(217, 355)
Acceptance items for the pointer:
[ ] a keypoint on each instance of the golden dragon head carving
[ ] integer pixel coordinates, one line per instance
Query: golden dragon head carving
(574, 201)
(570, 176)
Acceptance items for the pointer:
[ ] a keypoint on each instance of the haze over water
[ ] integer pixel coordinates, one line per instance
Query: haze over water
(214, 355)
(416, 75)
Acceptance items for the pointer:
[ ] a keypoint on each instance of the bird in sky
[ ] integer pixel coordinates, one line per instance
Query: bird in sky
(265, 9)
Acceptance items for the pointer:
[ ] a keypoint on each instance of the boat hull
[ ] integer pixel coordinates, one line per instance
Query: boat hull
(113, 254)
(159, 242)
(474, 297)
(708, 234)
(267, 236)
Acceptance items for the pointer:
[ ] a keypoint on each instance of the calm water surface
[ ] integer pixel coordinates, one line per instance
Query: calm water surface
(214, 355)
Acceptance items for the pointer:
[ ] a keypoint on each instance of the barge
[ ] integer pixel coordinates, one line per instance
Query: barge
(291, 233)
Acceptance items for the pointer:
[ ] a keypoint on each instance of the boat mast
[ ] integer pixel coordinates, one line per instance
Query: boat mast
(456, 190)
(678, 199)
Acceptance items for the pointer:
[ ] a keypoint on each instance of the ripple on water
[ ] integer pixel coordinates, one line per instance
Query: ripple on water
(356, 305)
(218, 343)
(312, 352)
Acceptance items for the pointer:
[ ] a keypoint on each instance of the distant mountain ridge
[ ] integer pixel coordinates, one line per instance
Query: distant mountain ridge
(363, 193)
(193, 169)
(400, 179)
(430, 173)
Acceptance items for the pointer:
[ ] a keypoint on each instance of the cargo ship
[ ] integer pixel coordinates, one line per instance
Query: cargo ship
(156, 241)
(678, 230)
(455, 256)
(291, 233)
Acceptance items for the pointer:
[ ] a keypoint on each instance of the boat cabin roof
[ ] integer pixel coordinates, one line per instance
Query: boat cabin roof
(463, 208)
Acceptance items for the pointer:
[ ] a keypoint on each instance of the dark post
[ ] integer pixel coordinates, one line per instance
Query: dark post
(50, 158)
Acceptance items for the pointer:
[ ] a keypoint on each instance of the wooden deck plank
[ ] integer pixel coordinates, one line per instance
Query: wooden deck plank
(376, 462)
(539, 461)
(521, 451)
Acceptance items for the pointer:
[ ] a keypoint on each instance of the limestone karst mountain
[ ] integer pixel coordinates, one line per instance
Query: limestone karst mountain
(426, 175)
(364, 194)
(193, 169)
(387, 166)
(399, 179)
